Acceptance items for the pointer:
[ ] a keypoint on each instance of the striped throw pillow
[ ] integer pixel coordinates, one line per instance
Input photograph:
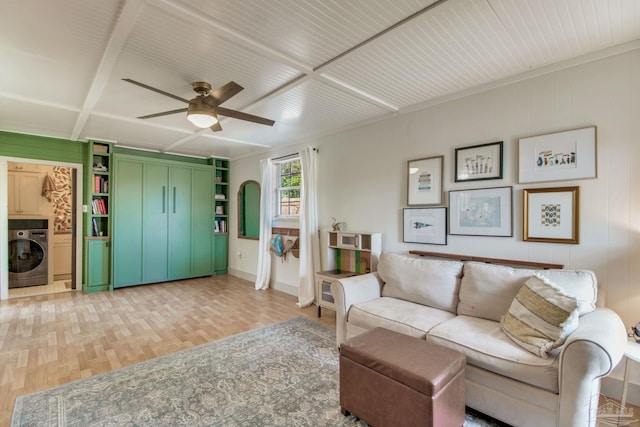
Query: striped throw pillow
(541, 316)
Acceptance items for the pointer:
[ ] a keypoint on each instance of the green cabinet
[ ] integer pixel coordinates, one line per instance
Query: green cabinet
(163, 220)
(154, 217)
(179, 221)
(221, 228)
(221, 257)
(127, 222)
(202, 224)
(97, 257)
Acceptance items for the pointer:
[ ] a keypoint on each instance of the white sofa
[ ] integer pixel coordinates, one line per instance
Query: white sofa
(459, 305)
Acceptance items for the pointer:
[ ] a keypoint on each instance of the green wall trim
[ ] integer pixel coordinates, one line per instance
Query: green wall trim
(161, 156)
(42, 148)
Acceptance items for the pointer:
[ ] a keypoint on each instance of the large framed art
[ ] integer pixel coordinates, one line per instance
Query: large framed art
(558, 156)
(481, 212)
(479, 162)
(551, 215)
(425, 225)
(424, 181)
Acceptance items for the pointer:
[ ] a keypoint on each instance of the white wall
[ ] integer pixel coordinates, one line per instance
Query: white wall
(363, 172)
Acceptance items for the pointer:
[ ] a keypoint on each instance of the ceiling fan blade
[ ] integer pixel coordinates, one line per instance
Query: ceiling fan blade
(164, 113)
(216, 127)
(170, 95)
(225, 92)
(243, 116)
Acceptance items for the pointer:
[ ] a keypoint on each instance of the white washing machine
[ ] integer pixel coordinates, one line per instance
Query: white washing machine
(28, 258)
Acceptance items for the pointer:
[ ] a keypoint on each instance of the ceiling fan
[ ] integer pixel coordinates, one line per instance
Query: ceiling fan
(203, 110)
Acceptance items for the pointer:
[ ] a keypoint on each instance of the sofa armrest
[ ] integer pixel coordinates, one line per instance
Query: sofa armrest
(590, 352)
(349, 291)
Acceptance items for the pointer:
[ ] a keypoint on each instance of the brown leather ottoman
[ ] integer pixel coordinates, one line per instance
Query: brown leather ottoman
(391, 379)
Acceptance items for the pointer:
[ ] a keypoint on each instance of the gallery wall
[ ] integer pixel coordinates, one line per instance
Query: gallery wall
(362, 173)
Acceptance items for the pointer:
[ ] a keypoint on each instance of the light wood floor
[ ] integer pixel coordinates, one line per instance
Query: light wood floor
(51, 340)
(30, 291)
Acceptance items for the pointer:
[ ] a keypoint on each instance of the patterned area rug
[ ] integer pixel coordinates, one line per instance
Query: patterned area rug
(280, 375)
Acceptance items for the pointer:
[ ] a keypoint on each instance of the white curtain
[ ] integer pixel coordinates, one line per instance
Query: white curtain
(267, 206)
(309, 239)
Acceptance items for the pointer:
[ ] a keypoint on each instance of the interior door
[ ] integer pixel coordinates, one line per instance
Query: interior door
(157, 202)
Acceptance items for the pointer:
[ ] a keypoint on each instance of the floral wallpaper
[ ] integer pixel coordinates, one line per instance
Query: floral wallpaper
(61, 199)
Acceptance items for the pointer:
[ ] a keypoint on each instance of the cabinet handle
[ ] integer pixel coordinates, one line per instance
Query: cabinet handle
(174, 199)
(164, 198)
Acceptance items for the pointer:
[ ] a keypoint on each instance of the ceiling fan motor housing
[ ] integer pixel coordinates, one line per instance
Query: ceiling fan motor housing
(203, 88)
(197, 105)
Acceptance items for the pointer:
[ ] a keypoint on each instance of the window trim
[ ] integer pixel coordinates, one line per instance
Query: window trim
(278, 216)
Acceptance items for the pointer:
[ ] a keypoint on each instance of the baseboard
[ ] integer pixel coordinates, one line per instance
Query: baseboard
(612, 387)
(286, 288)
(242, 275)
(278, 286)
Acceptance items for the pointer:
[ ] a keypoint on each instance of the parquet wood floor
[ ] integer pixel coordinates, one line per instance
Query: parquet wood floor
(51, 340)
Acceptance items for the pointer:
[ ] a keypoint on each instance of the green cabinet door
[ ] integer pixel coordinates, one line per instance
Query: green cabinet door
(98, 258)
(180, 222)
(221, 254)
(127, 222)
(156, 205)
(98, 265)
(202, 223)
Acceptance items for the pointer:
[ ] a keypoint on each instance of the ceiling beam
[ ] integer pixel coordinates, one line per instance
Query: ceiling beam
(178, 8)
(121, 31)
(191, 14)
(319, 72)
(207, 133)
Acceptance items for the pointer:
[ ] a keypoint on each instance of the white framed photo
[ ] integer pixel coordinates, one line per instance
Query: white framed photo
(558, 156)
(481, 212)
(425, 225)
(479, 162)
(424, 181)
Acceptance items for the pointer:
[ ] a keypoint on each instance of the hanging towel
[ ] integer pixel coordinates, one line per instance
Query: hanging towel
(48, 187)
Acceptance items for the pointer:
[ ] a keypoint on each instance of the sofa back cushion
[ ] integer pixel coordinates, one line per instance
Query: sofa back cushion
(434, 283)
(487, 290)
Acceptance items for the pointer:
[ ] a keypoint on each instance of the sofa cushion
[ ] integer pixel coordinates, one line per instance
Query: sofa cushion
(486, 346)
(541, 316)
(487, 290)
(398, 315)
(434, 283)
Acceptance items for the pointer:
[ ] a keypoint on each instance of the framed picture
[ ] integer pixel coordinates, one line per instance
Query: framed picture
(424, 179)
(481, 212)
(552, 215)
(425, 225)
(558, 156)
(479, 162)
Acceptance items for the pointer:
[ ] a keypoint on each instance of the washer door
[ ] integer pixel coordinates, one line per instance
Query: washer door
(24, 255)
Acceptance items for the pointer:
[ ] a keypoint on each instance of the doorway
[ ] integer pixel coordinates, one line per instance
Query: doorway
(46, 194)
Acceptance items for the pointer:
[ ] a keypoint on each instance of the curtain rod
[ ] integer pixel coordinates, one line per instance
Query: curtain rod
(291, 155)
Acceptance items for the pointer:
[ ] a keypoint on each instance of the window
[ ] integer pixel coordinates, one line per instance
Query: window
(289, 178)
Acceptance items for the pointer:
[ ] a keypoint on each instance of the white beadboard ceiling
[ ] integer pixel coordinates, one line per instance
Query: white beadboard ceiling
(313, 66)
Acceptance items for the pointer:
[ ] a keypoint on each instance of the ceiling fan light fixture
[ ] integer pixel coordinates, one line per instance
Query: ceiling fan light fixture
(201, 114)
(202, 120)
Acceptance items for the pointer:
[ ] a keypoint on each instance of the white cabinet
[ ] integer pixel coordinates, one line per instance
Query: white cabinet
(24, 193)
(23, 167)
(323, 288)
(61, 256)
(348, 254)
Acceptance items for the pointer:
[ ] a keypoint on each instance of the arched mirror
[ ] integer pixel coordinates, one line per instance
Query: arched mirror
(249, 210)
